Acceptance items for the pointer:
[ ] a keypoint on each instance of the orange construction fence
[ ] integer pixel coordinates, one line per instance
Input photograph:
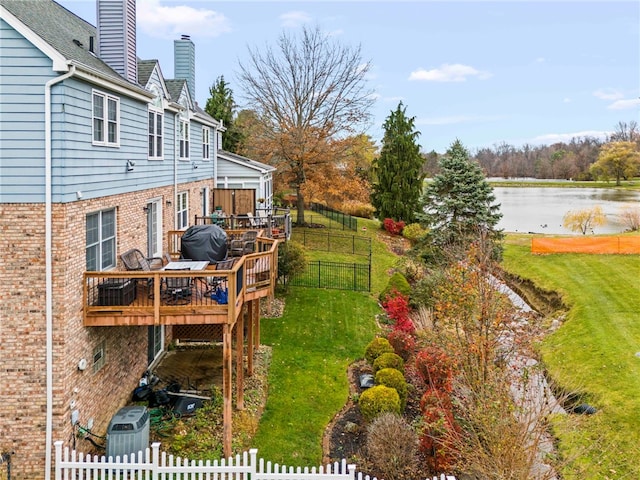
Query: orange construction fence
(602, 245)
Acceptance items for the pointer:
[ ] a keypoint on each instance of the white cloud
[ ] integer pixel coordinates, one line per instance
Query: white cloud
(161, 21)
(448, 73)
(626, 104)
(566, 100)
(608, 94)
(294, 19)
(540, 60)
(551, 138)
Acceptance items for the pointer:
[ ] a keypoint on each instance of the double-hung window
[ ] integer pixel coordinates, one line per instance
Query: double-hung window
(106, 119)
(183, 136)
(205, 142)
(182, 211)
(155, 134)
(100, 240)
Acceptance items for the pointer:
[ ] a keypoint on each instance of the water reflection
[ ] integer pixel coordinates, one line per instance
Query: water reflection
(540, 210)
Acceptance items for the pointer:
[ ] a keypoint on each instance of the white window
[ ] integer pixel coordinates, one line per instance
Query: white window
(106, 119)
(182, 211)
(101, 240)
(183, 136)
(155, 134)
(205, 143)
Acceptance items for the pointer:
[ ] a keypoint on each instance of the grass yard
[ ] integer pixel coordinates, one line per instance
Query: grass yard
(321, 332)
(593, 353)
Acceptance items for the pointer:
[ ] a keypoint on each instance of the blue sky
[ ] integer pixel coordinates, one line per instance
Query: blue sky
(482, 72)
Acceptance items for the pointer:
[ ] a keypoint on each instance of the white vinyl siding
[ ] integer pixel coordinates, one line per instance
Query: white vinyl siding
(106, 119)
(182, 211)
(205, 142)
(183, 137)
(101, 240)
(156, 120)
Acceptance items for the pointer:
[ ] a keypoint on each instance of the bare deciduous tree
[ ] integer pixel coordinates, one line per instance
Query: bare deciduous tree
(309, 91)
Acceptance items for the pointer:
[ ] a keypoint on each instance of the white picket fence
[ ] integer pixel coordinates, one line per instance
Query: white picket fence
(155, 465)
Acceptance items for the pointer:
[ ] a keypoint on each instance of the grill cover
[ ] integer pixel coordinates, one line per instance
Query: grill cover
(204, 242)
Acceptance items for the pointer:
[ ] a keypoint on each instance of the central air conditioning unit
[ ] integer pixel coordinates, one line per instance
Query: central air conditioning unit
(128, 432)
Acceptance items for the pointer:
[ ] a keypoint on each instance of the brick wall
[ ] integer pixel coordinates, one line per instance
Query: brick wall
(96, 396)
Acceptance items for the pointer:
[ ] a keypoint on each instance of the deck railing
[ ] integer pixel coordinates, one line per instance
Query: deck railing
(151, 297)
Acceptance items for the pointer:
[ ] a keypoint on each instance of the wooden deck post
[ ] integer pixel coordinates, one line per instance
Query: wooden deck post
(226, 389)
(250, 345)
(240, 360)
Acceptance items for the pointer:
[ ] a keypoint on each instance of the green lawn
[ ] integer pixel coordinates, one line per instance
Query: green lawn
(321, 332)
(593, 353)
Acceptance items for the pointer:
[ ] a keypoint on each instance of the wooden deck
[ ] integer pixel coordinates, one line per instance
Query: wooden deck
(136, 298)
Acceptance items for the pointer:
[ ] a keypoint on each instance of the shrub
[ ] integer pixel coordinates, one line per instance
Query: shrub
(379, 399)
(414, 232)
(291, 260)
(397, 283)
(435, 367)
(388, 360)
(377, 347)
(397, 308)
(357, 209)
(390, 377)
(411, 268)
(392, 446)
(403, 343)
(393, 227)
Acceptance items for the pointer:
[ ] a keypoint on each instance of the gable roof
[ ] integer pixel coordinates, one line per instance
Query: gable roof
(247, 162)
(64, 37)
(145, 69)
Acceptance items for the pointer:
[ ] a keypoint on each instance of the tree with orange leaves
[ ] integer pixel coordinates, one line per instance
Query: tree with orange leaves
(307, 94)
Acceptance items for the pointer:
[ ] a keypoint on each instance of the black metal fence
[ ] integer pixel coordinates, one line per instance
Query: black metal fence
(330, 242)
(341, 276)
(346, 220)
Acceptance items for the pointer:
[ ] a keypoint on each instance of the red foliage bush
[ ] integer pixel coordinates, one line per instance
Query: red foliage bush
(403, 343)
(393, 227)
(440, 431)
(435, 367)
(397, 307)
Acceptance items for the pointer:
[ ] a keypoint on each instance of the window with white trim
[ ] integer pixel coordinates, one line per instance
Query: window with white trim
(101, 240)
(106, 119)
(182, 210)
(205, 142)
(156, 120)
(183, 136)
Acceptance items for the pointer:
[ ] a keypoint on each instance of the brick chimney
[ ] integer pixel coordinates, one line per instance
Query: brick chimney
(184, 62)
(117, 36)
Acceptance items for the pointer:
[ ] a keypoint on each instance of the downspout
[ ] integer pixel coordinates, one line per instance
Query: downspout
(48, 264)
(176, 157)
(215, 157)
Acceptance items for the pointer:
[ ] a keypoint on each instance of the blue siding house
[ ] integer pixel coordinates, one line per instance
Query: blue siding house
(99, 153)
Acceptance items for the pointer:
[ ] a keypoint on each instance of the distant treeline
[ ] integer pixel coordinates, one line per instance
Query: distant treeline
(557, 161)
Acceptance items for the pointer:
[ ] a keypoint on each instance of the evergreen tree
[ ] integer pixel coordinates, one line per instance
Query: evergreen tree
(459, 204)
(221, 106)
(398, 171)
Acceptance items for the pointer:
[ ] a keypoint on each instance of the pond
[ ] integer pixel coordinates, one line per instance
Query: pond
(541, 209)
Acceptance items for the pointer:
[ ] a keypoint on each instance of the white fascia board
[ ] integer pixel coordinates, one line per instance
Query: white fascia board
(60, 63)
(237, 161)
(92, 76)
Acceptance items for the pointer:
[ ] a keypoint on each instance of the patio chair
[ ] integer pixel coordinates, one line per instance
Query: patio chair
(177, 290)
(135, 260)
(243, 245)
(214, 282)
